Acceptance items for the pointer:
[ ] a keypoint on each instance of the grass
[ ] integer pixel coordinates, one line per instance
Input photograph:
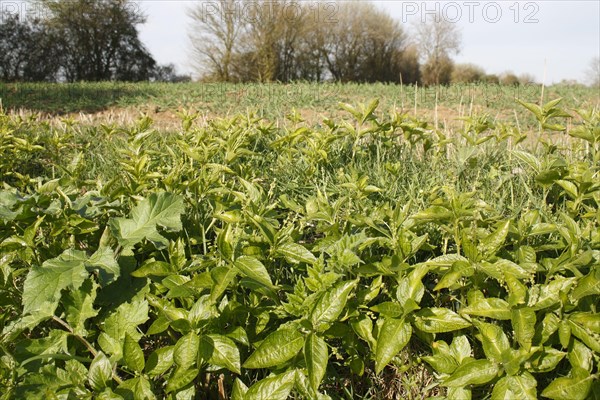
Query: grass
(275, 101)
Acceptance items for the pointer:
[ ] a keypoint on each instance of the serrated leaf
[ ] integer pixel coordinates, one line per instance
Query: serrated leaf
(253, 269)
(523, 322)
(133, 356)
(44, 284)
(274, 388)
(393, 337)
(162, 209)
(103, 261)
(330, 305)
(439, 320)
(100, 372)
(125, 319)
(476, 372)
(220, 351)
(296, 253)
(316, 356)
(79, 306)
(277, 348)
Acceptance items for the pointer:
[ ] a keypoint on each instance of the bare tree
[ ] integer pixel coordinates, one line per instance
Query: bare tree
(217, 27)
(593, 73)
(284, 40)
(363, 45)
(438, 39)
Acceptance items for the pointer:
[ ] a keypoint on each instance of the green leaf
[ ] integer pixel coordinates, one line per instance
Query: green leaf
(477, 372)
(459, 393)
(458, 270)
(79, 306)
(411, 287)
(363, 326)
(153, 268)
(296, 253)
(160, 361)
(137, 388)
(460, 348)
(220, 351)
(517, 291)
(490, 245)
(162, 209)
(125, 319)
(253, 269)
(393, 337)
(534, 108)
(133, 356)
(388, 308)
(43, 285)
(523, 323)
(546, 360)
(583, 329)
(186, 350)
(576, 387)
(494, 340)
(277, 348)
(221, 277)
(238, 392)
(522, 387)
(439, 320)
(274, 388)
(100, 372)
(180, 379)
(581, 356)
(103, 261)
(330, 305)
(442, 363)
(589, 285)
(316, 356)
(490, 307)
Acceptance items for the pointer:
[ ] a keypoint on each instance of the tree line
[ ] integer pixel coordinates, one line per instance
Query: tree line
(236, 41)
(77, 40)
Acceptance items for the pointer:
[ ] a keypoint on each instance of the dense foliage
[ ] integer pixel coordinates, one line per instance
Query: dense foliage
(249, 260)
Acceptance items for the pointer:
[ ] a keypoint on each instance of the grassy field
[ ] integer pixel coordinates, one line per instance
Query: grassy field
(299, 241)
(274, 101)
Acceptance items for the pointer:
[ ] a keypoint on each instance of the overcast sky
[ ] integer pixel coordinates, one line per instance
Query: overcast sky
(558, 37)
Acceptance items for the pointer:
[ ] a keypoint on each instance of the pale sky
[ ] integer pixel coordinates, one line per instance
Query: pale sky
(555, 38)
